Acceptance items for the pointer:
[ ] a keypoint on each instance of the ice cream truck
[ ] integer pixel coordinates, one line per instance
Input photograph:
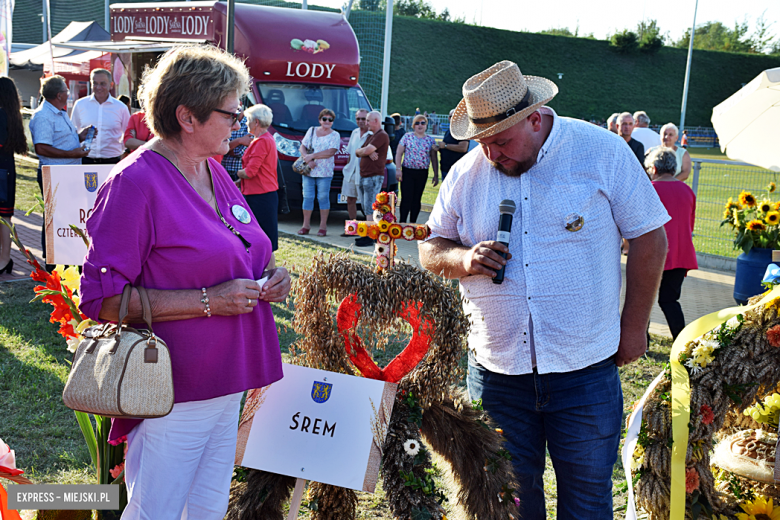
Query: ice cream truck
(301, 62)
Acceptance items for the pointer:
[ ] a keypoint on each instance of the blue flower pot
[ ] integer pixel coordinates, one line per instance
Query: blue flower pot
(750, 271)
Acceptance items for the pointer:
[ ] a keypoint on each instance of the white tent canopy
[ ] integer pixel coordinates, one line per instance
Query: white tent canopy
(748, 123)
(35, 58)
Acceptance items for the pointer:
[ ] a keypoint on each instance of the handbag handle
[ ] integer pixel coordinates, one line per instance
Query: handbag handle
(124, 303)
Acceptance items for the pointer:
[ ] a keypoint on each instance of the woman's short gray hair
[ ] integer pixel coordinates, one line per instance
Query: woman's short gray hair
(260, 113)
(667, 126)
(198, 77)
(663, 159)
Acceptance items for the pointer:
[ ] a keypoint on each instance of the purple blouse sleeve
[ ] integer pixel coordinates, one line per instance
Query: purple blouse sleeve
(121, 233)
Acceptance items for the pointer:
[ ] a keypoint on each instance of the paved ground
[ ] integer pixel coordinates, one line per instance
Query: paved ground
(704, 291)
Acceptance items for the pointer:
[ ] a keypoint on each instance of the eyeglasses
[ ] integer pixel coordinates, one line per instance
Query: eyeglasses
(360, 119)
(237, 116)
(327, 119)
(422, 123)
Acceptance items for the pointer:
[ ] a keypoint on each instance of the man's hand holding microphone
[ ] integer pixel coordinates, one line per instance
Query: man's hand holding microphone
(489, 257)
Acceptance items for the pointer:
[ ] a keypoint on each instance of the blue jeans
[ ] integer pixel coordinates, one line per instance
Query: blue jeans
(323, 192)
(576, 416)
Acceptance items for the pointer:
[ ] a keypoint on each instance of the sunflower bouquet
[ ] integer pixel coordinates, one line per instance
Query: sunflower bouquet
(755, 222)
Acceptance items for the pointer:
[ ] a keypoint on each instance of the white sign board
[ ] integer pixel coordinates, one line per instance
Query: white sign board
(69, 194)
(317, 425)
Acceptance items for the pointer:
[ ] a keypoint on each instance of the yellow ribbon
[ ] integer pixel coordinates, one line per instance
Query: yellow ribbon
(681, 395)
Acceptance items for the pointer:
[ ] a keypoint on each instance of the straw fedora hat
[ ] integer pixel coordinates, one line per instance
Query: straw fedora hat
(497, 99)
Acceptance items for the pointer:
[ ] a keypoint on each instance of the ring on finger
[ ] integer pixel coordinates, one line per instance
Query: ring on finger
(249, 301)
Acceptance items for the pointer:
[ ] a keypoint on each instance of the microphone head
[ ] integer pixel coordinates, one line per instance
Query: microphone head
(507, 207)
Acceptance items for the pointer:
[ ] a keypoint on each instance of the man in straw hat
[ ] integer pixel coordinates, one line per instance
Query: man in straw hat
(545, 344)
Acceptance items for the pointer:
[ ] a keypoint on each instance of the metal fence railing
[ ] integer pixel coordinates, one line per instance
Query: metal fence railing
(714, 181)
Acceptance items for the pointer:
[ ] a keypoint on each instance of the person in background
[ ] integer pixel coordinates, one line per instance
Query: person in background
(54, 136)
(351, 171)
(12, 140)
(126, 100)
(138, 132)
(625, 124)
(258, 175)
(398, 133)
(107, 114)
(318, 147)
(684, 139)
(172, 221)
(450, 150)
(612, 123)
(643, 133)
(239, 140)
(669, 139)
(680, 202)
(416, 152)
(373, 156)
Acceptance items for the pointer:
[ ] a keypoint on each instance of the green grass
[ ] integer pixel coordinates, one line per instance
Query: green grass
(49, 445)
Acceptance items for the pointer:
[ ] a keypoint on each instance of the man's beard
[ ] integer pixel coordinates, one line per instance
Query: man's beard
(518, 169)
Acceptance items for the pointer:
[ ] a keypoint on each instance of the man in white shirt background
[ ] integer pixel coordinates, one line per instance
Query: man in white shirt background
(642, 133)
(106, 113)
(352, 170)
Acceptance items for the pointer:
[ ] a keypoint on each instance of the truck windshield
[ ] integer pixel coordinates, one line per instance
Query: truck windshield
(298, 106)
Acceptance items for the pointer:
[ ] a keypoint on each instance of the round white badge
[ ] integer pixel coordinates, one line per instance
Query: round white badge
(241, 214)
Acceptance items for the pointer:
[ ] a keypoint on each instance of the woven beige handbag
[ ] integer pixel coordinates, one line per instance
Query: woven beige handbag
(119, 371)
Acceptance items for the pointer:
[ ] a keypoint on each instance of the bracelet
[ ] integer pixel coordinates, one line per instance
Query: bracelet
(205, 300)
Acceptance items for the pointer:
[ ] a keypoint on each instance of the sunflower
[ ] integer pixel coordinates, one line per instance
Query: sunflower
(731, 204)
(759, 508)
(747, 199)
(756, 225)
(772, 187)
(362, 229)
(765, 206)
(773, 218)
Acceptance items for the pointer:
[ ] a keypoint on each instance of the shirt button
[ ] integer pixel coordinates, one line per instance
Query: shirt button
(529, 297)
(526, 265)
(526, 232)
(103, 270)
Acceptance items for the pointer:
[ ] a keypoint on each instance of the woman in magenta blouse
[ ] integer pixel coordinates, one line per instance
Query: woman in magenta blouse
(170, 219)
(680, 203)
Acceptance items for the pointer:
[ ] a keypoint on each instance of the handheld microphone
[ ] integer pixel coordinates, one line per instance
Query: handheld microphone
(507, 210)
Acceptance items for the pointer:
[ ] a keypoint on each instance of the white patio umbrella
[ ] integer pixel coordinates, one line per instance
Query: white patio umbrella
(748, 123)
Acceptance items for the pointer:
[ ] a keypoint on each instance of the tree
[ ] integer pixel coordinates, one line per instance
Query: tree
(624, 42)
(715, 36)
(371, 5)
(649, 36)
(415, 8)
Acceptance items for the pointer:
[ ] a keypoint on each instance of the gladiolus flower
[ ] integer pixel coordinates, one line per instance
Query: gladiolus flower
(691, 480)
(773, 335)
(707, 416)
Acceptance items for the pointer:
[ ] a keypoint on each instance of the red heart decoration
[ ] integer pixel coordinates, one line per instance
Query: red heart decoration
(423, 329)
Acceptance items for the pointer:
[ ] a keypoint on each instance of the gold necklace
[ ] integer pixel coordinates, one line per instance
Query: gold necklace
(176, 164)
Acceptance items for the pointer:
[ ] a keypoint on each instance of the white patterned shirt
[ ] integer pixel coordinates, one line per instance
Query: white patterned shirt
(568, 281)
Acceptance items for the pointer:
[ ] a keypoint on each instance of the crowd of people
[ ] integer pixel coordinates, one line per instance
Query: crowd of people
(207, 168)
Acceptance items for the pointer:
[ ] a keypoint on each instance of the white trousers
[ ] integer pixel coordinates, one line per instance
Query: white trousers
(179, 467)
